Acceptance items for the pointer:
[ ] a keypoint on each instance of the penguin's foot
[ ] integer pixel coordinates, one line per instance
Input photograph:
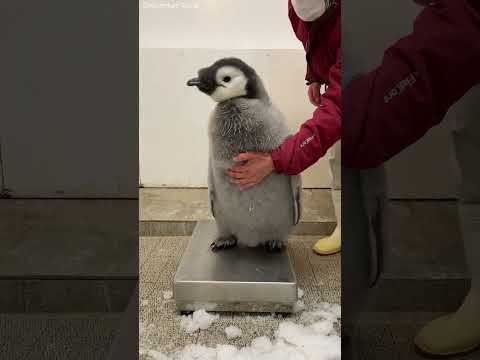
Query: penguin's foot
(223, 242)
(452, 334)
(274, 246)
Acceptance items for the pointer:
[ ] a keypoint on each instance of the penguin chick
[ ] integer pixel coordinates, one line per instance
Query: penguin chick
(245, 120)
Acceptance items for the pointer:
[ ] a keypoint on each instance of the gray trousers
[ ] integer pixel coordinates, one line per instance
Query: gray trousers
(466, 140)
(335, 161)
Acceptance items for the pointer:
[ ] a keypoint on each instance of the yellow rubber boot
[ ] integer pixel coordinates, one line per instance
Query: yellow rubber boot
(449, 335)
(332, 244)
(329, 245)
(459, 332)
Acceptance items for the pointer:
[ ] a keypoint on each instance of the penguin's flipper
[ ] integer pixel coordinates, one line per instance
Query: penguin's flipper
(296, 187)
(211, 188)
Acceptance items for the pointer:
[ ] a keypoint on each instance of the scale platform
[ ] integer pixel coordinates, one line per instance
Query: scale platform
(236, 279)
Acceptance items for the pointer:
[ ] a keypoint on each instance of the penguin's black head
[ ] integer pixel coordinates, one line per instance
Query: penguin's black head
(226, 79)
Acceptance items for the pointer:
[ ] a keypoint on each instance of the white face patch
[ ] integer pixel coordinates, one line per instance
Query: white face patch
(231, 83)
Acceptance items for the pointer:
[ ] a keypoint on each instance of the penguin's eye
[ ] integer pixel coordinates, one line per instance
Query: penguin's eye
(227, 79)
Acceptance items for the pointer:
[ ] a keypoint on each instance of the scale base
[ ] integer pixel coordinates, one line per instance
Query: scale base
(236, 279)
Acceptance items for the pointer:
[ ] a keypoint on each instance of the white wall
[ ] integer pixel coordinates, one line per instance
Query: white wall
(216, 24)
(174, 117)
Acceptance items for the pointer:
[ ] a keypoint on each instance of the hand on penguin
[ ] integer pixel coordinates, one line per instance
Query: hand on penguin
(251, 169)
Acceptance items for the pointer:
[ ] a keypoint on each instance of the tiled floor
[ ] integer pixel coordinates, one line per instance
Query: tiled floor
(390, 336)
(425, 245)
(56, 336)
(74, 238)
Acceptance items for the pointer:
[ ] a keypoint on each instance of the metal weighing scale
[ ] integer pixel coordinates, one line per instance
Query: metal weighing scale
(236, 279)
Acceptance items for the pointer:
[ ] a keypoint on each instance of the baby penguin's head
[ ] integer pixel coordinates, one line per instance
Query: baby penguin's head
(228, 78)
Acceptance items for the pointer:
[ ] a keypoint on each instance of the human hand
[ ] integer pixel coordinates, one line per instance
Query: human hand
(253, 171)
(314, 93)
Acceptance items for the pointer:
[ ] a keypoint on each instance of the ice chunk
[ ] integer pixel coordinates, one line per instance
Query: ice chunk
(330, 312)
(299, 306)
(300, 293)
(323, 327)
(233, 332)
(154, 355)
(226, 352)
(167, 295)
(262, 344)
(200, 319)
(197, 352)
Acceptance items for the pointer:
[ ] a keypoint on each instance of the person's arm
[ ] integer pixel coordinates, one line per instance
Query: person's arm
(301, 150)
(420, 77)
(316, 135)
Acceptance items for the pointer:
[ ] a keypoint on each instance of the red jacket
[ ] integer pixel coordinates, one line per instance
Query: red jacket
(321, 40)
(420, 77)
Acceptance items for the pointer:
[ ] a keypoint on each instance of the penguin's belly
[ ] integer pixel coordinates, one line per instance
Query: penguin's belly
(259, 214)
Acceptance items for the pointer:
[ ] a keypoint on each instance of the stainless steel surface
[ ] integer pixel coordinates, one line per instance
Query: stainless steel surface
(237, 279)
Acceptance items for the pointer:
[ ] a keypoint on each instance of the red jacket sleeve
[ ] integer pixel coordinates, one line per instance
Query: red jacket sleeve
(420, 77)
(316, 135)
(301, 33)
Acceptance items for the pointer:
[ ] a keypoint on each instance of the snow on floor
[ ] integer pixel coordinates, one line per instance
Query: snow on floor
(313, 337)
(329, 312)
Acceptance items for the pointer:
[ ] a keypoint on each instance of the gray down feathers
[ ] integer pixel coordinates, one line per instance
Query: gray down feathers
(266, 213)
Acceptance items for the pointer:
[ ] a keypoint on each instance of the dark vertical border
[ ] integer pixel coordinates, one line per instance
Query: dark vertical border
(69, 265)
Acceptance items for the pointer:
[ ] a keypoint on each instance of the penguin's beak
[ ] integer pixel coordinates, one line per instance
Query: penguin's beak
(194, 82)
(204, 85)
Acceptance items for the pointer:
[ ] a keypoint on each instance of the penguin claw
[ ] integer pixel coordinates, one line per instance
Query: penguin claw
(274, 246)
(215, 247)
(223, 243)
